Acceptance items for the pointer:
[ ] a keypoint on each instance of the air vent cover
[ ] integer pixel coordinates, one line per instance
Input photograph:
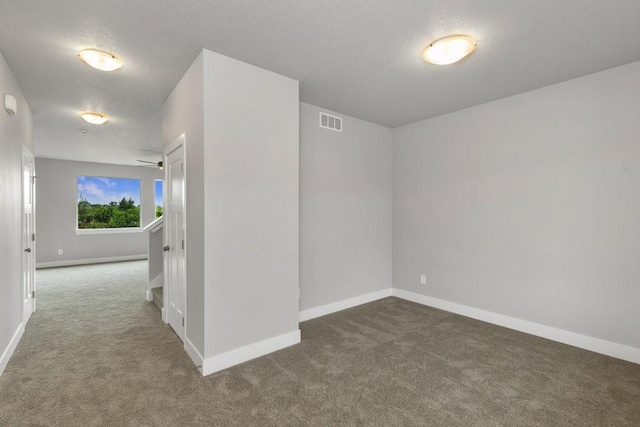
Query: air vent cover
(328, 121)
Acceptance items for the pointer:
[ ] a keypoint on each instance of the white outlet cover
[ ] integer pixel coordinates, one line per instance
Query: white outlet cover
(423, 279)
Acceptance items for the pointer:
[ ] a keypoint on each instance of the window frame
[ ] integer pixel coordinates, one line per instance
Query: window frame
(119, 230)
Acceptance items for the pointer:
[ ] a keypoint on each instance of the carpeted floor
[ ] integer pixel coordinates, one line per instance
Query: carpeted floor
(96, 353)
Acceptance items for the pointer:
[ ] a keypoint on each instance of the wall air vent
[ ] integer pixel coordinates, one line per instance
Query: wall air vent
(328, 121)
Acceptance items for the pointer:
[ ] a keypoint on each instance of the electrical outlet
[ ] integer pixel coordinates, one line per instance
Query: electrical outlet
(423, 279)
(60, 251)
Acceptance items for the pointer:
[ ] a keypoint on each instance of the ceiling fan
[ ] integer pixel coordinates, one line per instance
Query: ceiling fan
(150, 164)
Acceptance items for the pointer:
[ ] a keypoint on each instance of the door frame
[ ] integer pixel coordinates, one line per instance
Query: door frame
(178, 143)
(27, 153)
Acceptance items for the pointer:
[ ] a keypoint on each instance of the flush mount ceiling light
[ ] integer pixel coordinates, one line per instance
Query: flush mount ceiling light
(100, 60)
(448, 50)
(94, 118)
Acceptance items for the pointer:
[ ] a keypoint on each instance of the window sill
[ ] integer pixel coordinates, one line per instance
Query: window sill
(108, 230)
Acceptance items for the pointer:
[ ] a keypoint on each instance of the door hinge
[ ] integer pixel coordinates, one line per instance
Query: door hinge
(33, 178)
(33, 237)
(183, 322)
(33, 294)
(183, 244)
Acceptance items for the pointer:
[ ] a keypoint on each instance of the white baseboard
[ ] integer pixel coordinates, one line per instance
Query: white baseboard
(157, 281)
(596, 345)
(90, 261)
(193, 353)
(323, 310)
(13, 343)
(149, 296)
(163, 315)
(251, 351)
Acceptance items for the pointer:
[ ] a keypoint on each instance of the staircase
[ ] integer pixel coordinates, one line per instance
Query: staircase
(157, 297)
(156, 262)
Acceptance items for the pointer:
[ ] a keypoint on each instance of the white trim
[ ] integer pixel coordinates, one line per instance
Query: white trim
(156, 224)
(108, 230)
(323, 310)
(249, 352)
(181, 140)
(157, 281)
(163, 315)
(8, 352)
(149, 296)
(193, 353)
(90, 261)
(597, 345)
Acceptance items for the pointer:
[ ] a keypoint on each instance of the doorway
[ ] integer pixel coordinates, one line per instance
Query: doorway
(28, 235)
(174, 228)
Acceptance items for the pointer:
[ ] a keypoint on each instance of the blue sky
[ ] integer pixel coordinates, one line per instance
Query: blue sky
(101, 191)
(158, 192)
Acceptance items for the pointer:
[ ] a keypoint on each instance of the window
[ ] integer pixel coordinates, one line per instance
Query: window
(108, 203)
(158, 199)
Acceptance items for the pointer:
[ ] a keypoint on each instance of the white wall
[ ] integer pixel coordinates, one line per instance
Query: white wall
(345, 209)
(528, 206)
(242, 152)
(15, 131)
(251, 177)
(183, 112)
(57, 198)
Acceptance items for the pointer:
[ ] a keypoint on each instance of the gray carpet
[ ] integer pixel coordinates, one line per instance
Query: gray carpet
(96, 353)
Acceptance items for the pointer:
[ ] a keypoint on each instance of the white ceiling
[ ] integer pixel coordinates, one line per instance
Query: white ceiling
(357, 57)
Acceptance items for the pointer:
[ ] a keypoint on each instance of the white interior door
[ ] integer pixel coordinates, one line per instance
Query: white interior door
(175, 279)
(28, 236)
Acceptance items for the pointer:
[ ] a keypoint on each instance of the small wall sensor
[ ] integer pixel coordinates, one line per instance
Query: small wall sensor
(10, 104)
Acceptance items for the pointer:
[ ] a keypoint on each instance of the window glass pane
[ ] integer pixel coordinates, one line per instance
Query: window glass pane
(108, 202)
(158, 188)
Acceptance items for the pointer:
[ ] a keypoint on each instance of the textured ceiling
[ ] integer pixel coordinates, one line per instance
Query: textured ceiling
(357, 57)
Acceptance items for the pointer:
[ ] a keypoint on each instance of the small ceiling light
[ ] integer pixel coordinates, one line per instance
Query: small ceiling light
(104, 61)
(448, 50)
(94, 118)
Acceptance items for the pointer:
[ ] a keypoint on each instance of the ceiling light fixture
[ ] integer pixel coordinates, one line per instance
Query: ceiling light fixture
(94, 118)
(448, 50)
(100, 60)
